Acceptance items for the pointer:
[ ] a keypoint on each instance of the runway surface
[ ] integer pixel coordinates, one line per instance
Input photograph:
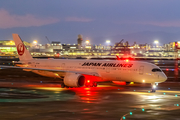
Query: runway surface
(27, 101)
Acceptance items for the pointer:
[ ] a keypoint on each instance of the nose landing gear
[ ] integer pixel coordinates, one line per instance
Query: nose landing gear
(154, 85)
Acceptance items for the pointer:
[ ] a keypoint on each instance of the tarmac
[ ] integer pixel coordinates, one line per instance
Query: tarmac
(47, 101)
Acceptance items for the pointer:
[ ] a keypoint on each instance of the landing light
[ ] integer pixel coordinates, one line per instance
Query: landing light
(131, 82)
(154, 86)
(143, 81)
(127, 60)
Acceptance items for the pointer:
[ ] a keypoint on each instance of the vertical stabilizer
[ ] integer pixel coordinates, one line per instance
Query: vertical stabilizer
(21, 49)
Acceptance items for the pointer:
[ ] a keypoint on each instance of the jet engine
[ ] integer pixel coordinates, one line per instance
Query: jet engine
(74, 80)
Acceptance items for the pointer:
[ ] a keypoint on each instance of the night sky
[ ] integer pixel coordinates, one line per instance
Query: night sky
(141, 21)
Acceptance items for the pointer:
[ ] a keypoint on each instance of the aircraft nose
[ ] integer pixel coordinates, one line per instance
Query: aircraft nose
(163, 77)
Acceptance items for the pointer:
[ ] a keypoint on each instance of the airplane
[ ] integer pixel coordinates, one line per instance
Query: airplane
(79, 73)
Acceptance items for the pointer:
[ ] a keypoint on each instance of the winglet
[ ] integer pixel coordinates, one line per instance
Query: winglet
(21, 48)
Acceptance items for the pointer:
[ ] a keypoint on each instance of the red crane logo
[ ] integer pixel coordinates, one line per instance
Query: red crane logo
(20, 49)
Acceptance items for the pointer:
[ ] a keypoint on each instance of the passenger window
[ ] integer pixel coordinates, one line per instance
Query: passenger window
(156, 70)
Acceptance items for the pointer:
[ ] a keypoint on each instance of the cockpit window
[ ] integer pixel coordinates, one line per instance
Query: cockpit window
(156, 70)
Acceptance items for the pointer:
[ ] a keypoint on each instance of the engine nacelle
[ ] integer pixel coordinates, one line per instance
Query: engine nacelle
(74, 80)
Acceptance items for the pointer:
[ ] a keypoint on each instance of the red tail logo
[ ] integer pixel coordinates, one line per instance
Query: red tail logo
(20, 49)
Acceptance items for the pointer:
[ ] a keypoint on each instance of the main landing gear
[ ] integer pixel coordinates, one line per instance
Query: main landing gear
(63, 85)
(91, 84)
(154, 87)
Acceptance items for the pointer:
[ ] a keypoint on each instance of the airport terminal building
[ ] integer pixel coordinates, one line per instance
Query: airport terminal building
(7, 48)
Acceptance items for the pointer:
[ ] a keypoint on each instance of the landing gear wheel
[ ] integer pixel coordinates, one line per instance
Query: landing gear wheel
(95, 84)
(91, 85)
(153, 87)
(62, 85)
(153, 90)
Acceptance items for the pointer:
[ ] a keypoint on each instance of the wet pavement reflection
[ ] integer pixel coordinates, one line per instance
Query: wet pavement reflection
(106, 102)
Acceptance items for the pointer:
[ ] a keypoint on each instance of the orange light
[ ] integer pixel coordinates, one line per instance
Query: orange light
(119, 82)
(127, 60)
(88, 81)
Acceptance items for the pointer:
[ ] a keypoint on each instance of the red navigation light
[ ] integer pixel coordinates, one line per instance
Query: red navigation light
(167, 69)
(176, 45)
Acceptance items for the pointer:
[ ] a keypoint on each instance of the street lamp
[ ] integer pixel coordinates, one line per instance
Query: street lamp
(35, 42)
(156, 42)
(87, 41)
(108, 44)
(108, 41)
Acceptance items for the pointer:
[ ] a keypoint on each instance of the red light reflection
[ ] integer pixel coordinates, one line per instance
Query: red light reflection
(119, 82)
(87, 95)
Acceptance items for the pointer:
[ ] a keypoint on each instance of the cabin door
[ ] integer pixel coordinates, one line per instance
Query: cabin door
(141, 70)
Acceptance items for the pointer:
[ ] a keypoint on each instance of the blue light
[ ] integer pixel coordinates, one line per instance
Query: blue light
(169, 88)
(177, 104)
(175, 95)
(130, 113)
(124, 117)
(143, 109)
(134, 90)
(164, 93)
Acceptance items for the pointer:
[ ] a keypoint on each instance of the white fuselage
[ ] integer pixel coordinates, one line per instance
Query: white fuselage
(107, 70)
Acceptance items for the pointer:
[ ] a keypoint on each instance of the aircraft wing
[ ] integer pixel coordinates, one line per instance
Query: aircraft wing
(50, 70)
